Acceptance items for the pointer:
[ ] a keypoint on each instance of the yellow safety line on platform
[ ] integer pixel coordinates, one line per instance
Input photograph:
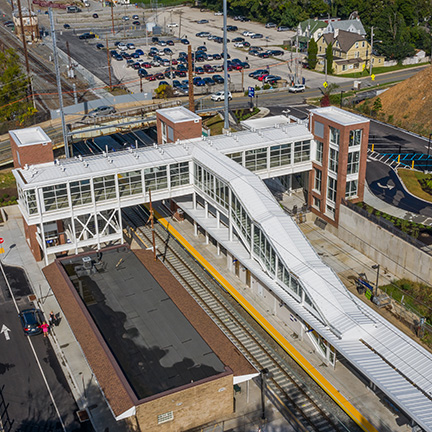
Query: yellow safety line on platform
(309, 369)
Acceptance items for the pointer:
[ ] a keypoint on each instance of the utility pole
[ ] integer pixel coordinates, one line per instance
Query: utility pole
(24, 46)
(171, 73)
(190, 73)
(325, 67)
(226, 107)
(151, 218)
(112, 16)
(180, 25)
(109, 63)
(370, 65)
(59, 87)
(296, 59)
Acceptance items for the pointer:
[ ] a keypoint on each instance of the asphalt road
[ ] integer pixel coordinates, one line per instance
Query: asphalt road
(389, 139)
(29, 404)
(385, 184)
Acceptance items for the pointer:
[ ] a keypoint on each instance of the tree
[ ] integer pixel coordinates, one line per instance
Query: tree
(312, 53)
(14, 102)
(164, 92)
(325, 100)
(329, 58)
(377, 106)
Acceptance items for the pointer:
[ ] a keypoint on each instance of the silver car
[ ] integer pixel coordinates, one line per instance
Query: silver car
(101, 111)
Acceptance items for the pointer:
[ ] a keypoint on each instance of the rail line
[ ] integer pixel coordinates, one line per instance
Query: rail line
(298, 405)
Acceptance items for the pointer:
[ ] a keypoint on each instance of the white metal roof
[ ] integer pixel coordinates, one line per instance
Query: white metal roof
(265, 122)
(86, 167)
(339, 116)
(392, 360)
(29, 136)
(178, 114)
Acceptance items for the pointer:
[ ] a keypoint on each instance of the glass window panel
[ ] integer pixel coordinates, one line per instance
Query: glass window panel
(334, 135)
(55, 197)
(104, 188)
(280, 155)
(353, 162)
(301, 151)
(80, 192)
(333, 160)
(179, 174)
(130, 183)
(156, 178)
(256, 160)
(355, 137)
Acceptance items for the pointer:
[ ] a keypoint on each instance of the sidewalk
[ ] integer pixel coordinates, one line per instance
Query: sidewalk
(82, 383)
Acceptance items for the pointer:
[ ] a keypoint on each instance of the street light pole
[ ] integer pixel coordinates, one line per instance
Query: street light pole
(371, 53)
(377, 268)
(429, 144)
(225, 61)
(263, 374)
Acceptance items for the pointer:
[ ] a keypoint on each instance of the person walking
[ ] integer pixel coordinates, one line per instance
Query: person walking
(45, 328)
(52, 318)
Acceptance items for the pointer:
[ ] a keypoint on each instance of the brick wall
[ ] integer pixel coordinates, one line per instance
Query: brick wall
(30, 233)
(31, 154)
(192, 407)
(181, 130)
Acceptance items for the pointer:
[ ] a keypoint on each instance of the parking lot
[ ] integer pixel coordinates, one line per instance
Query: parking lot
(183, 23)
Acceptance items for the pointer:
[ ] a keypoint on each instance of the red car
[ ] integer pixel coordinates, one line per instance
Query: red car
(160, 76)
(208, 68)
(151, 77)
(174, 62)
(146, 65)
(262, 76)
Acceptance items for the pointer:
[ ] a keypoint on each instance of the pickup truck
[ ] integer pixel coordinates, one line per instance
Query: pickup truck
(296, 88)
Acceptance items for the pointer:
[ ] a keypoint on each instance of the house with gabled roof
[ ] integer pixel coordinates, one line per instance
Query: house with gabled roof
(350, 25)
(351, 52)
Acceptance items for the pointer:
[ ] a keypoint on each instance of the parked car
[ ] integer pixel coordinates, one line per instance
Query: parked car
(263, 55)
(199, 70)
(203, 34)
(130, 46)
(31, 321)
(257, 36)
(66, 26)
(218, 79)
(87, 36)
(209, 81)
(276, 53)
(135, 17)
(155, 39)
(282, 28)
(136, 23)
(139, 52)
(218, 13)
(203, 21)
(172, 25)
(73, 9)
(270, 25)
(184, 41)
(296, 88)
(248, 33)
(122, 46)
(257, 72)
(208, 68)
(100, 46)
(95, 15)
(198, 81)
(162, 43)
(170, 43)
(238, 39)
(125, 18)
(231, 28)
(269, 78)
(11, 24)
(142, 73)
(220, 96)
(100, 111)
(238, 45)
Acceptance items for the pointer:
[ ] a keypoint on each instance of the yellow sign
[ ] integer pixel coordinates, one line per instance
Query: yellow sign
(364, 65)
(373, 77)
(2, 250)
(325, 84)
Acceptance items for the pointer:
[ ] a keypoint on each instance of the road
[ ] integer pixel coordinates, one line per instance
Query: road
(385, 184)
(25, 364)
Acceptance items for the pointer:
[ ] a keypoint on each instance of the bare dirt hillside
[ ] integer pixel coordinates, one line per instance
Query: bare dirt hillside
(409, 103)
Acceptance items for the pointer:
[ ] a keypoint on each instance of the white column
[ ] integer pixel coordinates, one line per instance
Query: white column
(195, 229)
(217, 219)
(194, 200)
(206, 238)
(206, 209)
(218, 252)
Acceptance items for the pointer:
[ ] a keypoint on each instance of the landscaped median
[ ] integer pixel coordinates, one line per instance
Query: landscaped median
(417, 183)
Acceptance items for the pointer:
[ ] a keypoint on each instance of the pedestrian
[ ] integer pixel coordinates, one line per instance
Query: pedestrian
(44, 328)
(52, 318)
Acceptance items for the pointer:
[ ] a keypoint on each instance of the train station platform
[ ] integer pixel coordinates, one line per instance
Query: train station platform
(373, 406)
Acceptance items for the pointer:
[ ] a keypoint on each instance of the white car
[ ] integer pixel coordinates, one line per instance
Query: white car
(296, 88)
(172, 25)
(220, 96)
(122, 46)
(218, 13)
(247, 33)
(238, 45)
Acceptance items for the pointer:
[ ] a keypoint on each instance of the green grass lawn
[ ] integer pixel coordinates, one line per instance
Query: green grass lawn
(411, 179)
(7, 180)
(380, 70)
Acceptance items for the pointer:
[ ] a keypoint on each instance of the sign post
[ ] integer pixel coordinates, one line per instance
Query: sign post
(251, 94)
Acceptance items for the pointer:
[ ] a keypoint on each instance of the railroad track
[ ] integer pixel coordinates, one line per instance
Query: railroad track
(285, 388)
(41, 70)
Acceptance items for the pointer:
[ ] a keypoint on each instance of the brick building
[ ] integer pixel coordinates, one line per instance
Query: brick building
(339, 167)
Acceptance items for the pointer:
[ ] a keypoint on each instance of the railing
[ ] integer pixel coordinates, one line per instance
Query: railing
(387, 225)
